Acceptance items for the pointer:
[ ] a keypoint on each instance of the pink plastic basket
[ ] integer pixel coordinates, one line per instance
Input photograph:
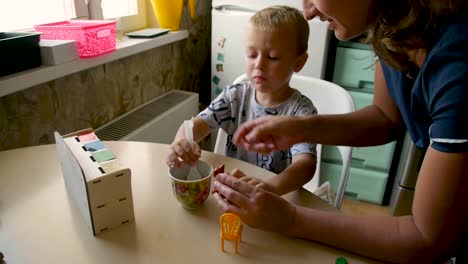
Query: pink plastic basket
(94, 37)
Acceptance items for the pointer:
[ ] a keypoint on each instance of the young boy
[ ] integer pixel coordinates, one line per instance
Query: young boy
(272, 56)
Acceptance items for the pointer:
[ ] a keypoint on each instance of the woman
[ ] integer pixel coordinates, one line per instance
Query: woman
(420, 87)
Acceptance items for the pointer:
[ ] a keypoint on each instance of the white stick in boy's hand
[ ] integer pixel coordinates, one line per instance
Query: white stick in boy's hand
(188, 129)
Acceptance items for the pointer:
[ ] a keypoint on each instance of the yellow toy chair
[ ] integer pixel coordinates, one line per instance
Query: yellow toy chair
(231, 229)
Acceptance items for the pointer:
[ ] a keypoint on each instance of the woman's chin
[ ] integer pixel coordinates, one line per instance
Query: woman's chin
(343, 36)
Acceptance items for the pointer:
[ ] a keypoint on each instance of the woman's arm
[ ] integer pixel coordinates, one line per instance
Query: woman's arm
(431, 234)
(373, 125)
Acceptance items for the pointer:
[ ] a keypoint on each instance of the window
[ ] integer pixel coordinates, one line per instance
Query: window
(110, 9)
(130, 14)
(119, 8)
(19, 15)
(24, 14)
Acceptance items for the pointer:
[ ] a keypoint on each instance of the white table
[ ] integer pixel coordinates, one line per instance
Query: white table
(39, 223)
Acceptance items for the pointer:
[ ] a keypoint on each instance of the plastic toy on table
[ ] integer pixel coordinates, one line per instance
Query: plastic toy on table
(218, 170)
(231, 229)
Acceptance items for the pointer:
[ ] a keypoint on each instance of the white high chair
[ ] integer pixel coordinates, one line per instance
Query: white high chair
(328, 98)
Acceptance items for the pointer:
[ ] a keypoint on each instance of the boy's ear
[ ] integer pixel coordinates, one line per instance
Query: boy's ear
(300, 61)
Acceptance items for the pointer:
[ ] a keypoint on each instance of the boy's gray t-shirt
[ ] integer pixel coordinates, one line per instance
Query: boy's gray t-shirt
(237, 104)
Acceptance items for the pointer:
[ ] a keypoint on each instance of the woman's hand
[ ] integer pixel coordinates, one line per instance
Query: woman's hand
(183, 151)
(270, 133)
(256, 206)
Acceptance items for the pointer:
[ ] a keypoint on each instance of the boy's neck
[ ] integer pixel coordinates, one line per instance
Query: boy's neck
(273, 99)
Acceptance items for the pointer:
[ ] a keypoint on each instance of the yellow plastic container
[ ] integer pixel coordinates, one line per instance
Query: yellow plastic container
(168, 13)
(192, 7)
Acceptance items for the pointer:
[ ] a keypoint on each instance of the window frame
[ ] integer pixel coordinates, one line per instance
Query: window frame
(81, 9)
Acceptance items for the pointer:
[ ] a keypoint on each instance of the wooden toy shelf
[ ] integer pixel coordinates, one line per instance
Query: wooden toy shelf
(97, 182)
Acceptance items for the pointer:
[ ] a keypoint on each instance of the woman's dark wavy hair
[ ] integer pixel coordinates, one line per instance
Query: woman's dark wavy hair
(401, 26)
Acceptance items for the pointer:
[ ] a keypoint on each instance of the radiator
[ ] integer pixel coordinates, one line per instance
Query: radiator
(155, 121)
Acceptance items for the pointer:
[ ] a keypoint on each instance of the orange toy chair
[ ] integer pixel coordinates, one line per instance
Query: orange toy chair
(231, 229)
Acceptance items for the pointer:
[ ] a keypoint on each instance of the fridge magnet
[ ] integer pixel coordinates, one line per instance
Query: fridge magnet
(216, 80)
(218, 90)
(221, 41)
(220, 56)
(219, 67)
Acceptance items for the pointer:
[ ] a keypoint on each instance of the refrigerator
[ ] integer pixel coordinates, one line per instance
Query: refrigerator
(229, 19)
(406, 175)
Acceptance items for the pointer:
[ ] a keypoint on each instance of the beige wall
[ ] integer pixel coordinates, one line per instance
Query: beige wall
(93, 97)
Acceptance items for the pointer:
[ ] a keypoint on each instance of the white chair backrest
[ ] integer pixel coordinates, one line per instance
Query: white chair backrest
(328, 98)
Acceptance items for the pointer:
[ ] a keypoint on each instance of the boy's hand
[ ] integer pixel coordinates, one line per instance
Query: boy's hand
(183, 151)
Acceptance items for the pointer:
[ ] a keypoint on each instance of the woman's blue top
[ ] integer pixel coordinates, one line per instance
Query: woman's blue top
(434, 104)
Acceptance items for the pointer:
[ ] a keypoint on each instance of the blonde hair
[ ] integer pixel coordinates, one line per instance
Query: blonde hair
(271, 18)
(403, 26)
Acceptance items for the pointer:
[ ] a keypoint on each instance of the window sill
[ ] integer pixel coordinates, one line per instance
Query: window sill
(126, 47)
